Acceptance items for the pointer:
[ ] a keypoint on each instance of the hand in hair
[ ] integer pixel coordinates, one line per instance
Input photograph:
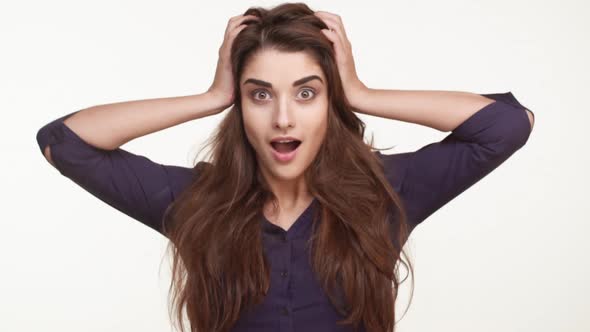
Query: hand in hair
(223, 84)
(352, 85)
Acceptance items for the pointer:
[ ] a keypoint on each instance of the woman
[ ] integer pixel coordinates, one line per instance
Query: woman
(295, 222)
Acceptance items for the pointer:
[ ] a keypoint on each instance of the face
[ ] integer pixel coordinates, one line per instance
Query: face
(284, 94)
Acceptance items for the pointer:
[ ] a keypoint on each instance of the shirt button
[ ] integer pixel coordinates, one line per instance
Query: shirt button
(283, 273)
(284, 311)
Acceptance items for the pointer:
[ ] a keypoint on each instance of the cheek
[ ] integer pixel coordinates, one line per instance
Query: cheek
(317, 126)
(250, 133)
(253, 129)
(318, 122)
(246, 120)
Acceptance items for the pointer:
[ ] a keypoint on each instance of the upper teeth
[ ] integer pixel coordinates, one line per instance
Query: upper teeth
(286, 141)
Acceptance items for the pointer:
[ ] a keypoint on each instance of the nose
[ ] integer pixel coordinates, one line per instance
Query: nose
(283, 117)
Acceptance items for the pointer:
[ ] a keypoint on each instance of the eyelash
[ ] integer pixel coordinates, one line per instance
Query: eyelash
(253, 94)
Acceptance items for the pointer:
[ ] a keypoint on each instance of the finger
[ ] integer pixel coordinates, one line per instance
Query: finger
(233, 34)
(236, 21)
(241, 19)
(337, 25)
(335, 39)
(334, 29)
(237, 30)
(338, 28)
(230, 36)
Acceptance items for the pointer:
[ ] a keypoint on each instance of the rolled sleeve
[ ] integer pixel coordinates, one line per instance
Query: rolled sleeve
(433, 175)
(131, 183)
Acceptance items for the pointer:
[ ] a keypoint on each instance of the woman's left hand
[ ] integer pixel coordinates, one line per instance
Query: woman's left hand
(353, 87)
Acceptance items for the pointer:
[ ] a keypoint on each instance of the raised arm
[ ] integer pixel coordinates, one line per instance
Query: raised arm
(436, 173)
(441, 110)
(486, 130)
(84, 146)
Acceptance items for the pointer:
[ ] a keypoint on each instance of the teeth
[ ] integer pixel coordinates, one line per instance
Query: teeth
(284, 141)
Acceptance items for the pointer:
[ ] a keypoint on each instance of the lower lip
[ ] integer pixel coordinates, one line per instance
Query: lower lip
(285, 156)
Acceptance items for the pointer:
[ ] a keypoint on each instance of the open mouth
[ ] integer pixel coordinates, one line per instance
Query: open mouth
(285, 147)
(285, 152)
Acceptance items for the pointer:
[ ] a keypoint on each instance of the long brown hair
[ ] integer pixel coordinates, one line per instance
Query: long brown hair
(219, 267)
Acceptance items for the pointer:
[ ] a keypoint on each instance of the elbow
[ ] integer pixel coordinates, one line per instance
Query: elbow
(47, 155)
(531, 116)
(525, 132)
(43, 144)
(522, 130)
(43, 141)
(514, 131)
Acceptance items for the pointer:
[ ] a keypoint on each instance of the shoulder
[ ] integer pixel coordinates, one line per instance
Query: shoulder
(395, 167)
(181, 177)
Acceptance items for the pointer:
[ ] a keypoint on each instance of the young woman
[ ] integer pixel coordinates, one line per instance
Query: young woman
(295, 223)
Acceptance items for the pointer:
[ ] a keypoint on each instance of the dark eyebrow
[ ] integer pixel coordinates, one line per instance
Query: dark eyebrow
(296, 83)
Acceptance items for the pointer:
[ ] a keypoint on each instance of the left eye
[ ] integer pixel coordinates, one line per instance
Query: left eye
(308, 91)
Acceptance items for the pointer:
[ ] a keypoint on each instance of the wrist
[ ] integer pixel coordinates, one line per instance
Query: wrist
(219, 101)
(358, 95)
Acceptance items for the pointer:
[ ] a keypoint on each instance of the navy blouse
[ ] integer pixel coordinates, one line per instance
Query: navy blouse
(425, 179)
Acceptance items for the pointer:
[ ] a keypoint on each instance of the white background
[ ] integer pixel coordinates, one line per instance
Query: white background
(509, 254)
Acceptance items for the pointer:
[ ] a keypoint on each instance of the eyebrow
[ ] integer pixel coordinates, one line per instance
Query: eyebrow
(296, 83)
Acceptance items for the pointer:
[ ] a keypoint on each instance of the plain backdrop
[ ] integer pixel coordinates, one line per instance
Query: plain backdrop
(509, 254)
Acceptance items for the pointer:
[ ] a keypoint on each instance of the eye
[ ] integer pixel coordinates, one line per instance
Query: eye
(255, 93)
(263, 93)
(307, 91)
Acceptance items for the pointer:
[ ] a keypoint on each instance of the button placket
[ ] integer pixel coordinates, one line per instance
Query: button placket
(284, 239)
(286, 320)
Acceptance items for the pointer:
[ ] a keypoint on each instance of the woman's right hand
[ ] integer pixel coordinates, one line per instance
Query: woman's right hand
(223, 84)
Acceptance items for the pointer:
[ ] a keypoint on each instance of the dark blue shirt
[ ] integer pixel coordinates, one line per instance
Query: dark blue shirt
(425, 179)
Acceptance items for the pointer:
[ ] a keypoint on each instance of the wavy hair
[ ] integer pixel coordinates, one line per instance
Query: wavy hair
(219, 267)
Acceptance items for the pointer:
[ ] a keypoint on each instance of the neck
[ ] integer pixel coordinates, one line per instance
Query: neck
(291, 194)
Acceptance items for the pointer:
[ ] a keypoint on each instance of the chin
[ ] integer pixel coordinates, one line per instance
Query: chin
(286, 173)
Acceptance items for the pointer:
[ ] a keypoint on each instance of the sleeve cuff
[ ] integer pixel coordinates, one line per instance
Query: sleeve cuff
(502, 120)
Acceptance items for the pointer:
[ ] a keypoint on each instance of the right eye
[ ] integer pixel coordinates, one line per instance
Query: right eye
(257, 93)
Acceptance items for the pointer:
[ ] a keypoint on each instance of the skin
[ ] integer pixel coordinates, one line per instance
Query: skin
(442, 110)
(284, 110)
(281, 112)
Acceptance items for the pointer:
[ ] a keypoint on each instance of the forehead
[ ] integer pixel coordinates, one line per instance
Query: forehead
(280, 68)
